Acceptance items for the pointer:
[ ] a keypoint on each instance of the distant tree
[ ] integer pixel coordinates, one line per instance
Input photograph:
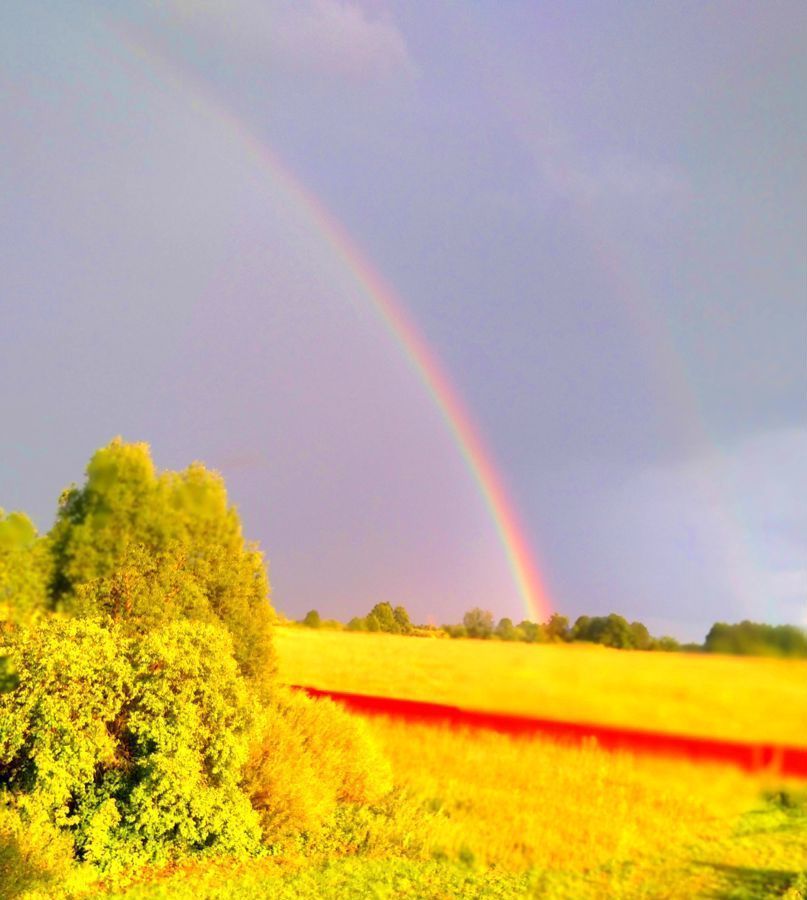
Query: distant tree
(756, 639)
(455, 631)
(372, 623)
(385, 615)
(357, 624)
(641, 639)
(506, 631)
(478, 623)
(401, 617)
(611, 630)
(312, 619)
(580, 628)
(557, 628)
(666, 644)
(534, 633)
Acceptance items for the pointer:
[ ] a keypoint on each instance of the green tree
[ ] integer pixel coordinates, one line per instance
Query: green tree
(478, 623)
(756, 639)
(24, 565)
(129, 516)
(580, 628)
(312, 619)
(145, 589)
(640, 636)
(666, 644)
(533, 632)
(557, 628)
(506, 631)
(611, 630)
(385, 615)
(401, 617)
(357, 624)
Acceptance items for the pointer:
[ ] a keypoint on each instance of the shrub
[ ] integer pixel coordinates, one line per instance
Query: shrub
(312, 619)
(312, 756)
(134, 748)
(23, 569)
(34, 854)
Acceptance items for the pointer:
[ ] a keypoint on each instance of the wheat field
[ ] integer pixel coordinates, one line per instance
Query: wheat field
(730, 697)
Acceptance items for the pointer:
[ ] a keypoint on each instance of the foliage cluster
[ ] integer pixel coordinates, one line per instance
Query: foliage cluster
(757, 639)
(24, 569)
(140, 717)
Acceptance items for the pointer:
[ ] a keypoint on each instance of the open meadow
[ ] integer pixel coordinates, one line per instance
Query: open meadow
(479, 814)
(706, 695)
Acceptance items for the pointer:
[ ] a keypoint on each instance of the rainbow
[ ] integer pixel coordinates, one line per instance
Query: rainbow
(392, 312)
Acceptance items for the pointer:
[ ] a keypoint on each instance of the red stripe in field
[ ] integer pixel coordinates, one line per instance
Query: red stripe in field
(776, 758)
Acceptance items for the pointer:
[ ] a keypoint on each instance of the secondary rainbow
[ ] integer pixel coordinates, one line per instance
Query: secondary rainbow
(392, 312)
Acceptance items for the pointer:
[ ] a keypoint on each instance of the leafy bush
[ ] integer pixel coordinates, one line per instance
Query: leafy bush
(311, 757)
(23, 569)
(34, 854)
(132, 747)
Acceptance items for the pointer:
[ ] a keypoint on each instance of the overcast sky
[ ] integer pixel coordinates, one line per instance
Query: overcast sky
(594, 212)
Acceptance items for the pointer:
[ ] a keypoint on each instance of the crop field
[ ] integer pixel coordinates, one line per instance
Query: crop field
(474, 813)
(479, 814)
(708, 695)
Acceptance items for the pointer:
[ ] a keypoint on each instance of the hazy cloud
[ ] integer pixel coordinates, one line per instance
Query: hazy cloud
(618, 177)
(320, 37)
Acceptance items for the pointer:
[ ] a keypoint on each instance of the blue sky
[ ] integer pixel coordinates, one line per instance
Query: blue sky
(594, 212)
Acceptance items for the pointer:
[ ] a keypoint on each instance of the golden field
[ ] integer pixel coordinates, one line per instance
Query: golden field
(479, 814)
(594, 823)
(730, 697)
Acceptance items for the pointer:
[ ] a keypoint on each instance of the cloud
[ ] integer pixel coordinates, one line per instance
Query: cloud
(616, 177)
(333, 38)
(734, 517)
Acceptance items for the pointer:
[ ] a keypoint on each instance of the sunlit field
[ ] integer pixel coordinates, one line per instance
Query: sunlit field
(709, 695)
(479, 814)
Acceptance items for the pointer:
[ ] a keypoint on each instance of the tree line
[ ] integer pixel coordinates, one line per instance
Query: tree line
(744, 638)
